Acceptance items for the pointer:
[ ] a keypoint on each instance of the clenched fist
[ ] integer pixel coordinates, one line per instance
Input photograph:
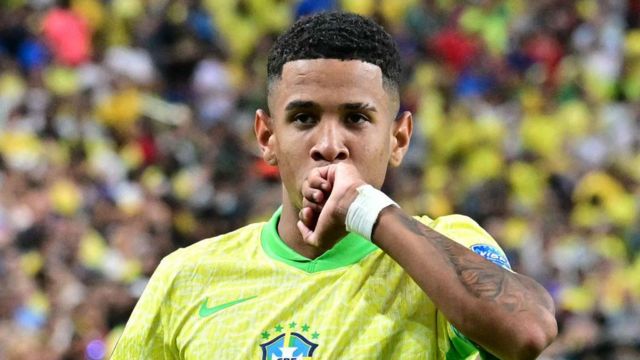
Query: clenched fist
(327, 193)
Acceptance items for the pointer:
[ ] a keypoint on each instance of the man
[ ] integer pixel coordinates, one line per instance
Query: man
(339, 272)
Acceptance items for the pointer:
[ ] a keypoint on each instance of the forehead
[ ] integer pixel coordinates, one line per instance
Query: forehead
(329, 82)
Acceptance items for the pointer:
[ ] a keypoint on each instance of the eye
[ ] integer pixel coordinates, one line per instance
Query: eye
(304, 118)
(356, 118)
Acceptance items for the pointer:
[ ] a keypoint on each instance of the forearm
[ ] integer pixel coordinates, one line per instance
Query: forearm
(508, 314)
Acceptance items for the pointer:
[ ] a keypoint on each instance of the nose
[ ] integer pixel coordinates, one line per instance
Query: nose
(330, 145)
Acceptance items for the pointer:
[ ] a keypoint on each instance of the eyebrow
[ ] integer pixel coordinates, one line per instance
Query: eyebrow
(301, 104)
(358, 106)
(307, 104)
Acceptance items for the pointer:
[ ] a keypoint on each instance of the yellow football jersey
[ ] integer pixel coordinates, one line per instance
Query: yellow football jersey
(247, 295)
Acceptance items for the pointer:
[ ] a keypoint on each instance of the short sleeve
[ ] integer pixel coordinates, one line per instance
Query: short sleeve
(145, 335)
(463, 230)
(468, 233)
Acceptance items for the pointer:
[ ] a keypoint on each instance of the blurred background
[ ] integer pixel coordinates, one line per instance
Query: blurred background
(126, 132)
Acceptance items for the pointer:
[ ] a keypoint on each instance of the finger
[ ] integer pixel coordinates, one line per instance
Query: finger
(326, 170)
(316, 208)
(330, 174)
(313, 195)
(308, 217)
(321, 172)
(317, 182)
(305, 232)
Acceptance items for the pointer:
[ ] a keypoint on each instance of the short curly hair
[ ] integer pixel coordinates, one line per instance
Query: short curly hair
(336, 35)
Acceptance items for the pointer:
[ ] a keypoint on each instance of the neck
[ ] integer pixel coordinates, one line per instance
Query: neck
(289, 233)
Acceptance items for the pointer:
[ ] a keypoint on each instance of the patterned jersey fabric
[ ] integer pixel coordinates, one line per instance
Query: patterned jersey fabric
(247, 295)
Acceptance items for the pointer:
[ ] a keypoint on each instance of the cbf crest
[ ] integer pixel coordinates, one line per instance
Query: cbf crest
(289, 344)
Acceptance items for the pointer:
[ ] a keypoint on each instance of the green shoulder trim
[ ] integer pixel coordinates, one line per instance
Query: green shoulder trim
(460, 347)
(348, 251)
(463, 348)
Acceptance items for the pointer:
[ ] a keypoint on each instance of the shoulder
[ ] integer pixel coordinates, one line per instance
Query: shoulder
(237, 241)
(459, 228)
(468, 233)
(240, 244)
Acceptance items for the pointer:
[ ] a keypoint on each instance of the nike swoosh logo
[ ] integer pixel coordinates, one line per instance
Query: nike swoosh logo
(208, 311)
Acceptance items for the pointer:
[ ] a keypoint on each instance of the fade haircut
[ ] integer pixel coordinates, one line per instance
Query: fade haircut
(337, 35)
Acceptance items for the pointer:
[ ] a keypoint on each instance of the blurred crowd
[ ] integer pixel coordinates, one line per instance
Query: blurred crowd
(126, 132)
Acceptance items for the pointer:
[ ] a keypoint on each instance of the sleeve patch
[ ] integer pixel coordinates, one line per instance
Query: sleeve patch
(492, 254)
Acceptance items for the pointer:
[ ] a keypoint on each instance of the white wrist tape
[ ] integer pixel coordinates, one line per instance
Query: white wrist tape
(364, 210)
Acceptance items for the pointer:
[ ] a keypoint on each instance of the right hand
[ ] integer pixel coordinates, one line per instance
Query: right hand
(327, 193)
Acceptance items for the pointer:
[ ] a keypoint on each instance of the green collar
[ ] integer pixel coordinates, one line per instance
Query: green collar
(349, 250)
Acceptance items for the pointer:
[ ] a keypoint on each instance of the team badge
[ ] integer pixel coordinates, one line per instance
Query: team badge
(492, 254)
(290, 343)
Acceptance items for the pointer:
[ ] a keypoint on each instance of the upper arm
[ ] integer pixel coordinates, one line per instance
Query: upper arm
(468, 233)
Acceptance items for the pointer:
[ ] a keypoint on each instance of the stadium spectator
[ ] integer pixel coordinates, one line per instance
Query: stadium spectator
(103, 170)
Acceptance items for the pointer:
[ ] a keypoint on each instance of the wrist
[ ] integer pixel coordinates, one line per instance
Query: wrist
(347, 199)
(382, 213)
(364, 210)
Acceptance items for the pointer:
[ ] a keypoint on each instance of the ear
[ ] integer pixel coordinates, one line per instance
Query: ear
(265, 136)
(400, 137)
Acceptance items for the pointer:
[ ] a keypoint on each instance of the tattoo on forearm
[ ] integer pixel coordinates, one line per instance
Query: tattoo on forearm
(480, 277)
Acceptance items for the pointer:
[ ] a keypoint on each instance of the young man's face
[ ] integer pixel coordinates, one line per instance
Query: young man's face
(325, 111)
